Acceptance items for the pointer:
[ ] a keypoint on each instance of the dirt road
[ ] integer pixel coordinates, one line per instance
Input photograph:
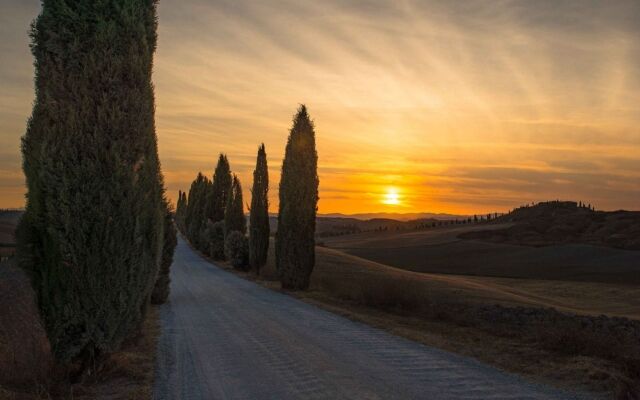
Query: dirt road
(227, 338)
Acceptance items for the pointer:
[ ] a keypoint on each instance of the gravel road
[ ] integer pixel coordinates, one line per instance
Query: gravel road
(227, 338)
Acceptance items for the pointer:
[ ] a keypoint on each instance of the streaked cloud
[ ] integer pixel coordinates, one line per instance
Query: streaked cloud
(463, 106)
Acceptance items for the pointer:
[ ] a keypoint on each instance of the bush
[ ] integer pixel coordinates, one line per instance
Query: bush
(215, 236)
(237, 250)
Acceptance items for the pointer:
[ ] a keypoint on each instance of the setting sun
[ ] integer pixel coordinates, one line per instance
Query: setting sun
(391, 197)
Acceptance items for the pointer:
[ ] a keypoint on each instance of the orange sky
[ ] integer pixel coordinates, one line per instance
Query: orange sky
(459, 108)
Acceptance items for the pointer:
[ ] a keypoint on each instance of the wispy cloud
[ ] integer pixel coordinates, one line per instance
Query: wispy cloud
(463, 106)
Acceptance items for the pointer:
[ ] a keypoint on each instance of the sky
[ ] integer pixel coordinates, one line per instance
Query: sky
(419, 106)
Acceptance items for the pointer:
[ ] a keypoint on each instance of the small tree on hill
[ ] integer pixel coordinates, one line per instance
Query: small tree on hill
(234, 219)
(215, 235)
(259, 213)
(295, 241)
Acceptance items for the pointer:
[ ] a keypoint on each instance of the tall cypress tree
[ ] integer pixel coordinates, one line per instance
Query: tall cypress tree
(161, 289)
(220, 189)
(92, 231)
(259, 213)
(295, 241)
(180, 210)
(195, 207)
(234, 219)
(183, 212)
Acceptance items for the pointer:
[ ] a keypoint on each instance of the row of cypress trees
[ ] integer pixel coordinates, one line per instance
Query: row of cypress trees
(201, 218)
(97, 229)
(212, 216)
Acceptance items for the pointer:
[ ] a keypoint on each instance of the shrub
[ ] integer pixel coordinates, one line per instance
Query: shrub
(91, 235)
(215, 232)
(237, 249)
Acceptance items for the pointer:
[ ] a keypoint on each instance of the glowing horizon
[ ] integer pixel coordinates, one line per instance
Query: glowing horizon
(461, 108)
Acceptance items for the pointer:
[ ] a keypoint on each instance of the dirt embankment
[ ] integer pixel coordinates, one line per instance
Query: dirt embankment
(25, 354)
(27, 369)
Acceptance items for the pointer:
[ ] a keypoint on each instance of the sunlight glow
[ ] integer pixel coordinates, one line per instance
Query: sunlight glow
(391, 197)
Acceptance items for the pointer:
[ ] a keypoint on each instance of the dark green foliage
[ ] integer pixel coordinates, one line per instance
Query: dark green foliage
(234, 219)
(195, 219)
(217, 200)
(91, 236)
(181, 211)
(295, 242)
(215, 235)
(259, 213)
(236, 248)
(160, 291)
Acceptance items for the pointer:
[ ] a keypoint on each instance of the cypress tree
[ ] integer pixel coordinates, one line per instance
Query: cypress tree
(161, 289)
(220, 189)
(295, 242)
(259, 213)
(195, 218)
(234, 219)
(91, 235)
(181, 210)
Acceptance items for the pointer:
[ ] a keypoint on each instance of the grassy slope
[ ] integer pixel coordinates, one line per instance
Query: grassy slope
(576, 297)
(431, 251)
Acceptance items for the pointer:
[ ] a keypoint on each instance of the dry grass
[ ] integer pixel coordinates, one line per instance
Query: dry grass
(25, 354)
(456, 313)
(25, 358)
(127, 374)
(440, 251)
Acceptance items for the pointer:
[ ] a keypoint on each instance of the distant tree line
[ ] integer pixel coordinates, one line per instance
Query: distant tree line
(212, 218)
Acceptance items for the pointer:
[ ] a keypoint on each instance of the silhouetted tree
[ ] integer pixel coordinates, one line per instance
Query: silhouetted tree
(181, 209)
(161, 289)
(215, 235)
(234, 219)
(91, 235)
(295, 242)
(217, 200)
(196, 211)
(259, 213)
(236, 248)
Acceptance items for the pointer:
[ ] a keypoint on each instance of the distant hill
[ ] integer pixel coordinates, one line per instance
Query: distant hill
(395, 216)
(328, 226)
(563, 222)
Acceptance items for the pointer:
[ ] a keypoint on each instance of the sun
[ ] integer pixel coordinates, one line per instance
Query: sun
(391, 197)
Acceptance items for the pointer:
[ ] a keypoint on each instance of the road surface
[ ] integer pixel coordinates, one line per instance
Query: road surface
(227, 338)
